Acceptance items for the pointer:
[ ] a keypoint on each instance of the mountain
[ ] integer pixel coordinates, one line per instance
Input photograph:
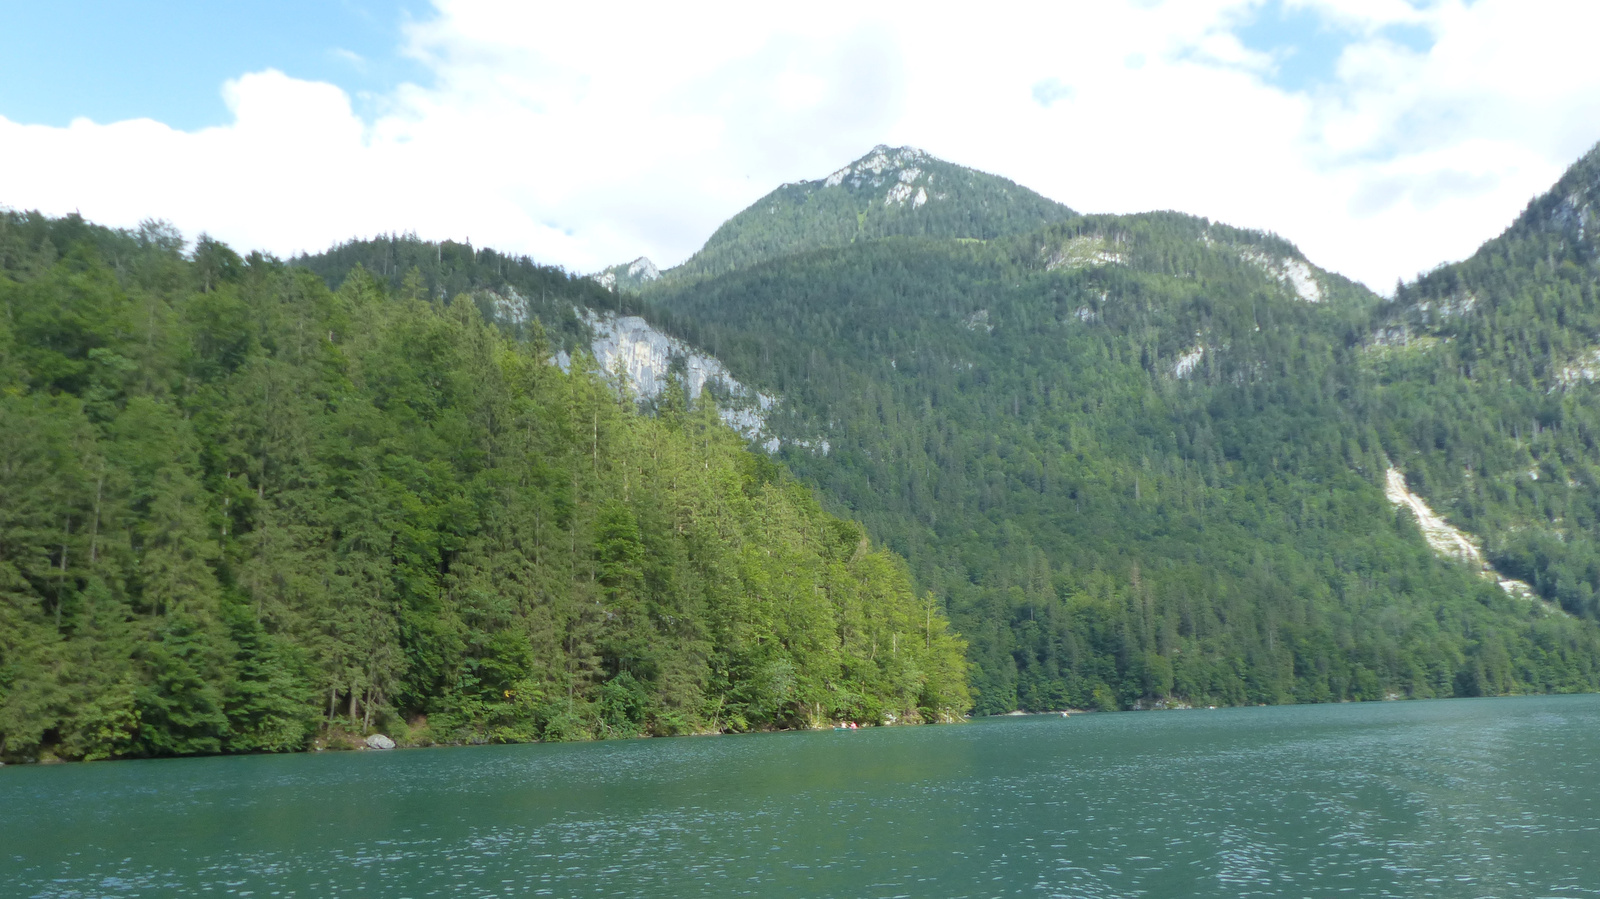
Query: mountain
(1154, 460)
(244, 510)
(888, 192)
(1487, 370)
(1134, 461)
(1150, 460)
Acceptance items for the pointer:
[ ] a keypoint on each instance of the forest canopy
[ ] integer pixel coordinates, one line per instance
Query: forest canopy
(239, 508)
(1144, 470)
(1017, 458)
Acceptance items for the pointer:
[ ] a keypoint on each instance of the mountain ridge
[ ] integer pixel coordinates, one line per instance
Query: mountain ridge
(1002, 413)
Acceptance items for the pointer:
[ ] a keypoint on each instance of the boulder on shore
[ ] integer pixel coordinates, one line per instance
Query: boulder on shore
(379, 741)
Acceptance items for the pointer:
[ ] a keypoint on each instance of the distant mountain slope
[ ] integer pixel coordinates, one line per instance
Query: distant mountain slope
(1188, 247)
(1153, 460)
(1488, 373)
(1141, 457)
(888, 192)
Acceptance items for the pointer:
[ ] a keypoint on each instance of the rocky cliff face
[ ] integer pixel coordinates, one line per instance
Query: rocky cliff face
(1570, 209)
(631, 347)
(1295, 274)
(898, 168)
(629, 276)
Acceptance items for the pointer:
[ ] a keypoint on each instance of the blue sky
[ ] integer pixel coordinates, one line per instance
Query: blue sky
(111, 61)
(166, 60)
(1305, 42)
(1381, 136)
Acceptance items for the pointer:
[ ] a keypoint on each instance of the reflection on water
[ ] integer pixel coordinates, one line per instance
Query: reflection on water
(1460, 798)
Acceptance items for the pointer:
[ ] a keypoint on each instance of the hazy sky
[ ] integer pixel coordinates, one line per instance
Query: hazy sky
(1382, 136)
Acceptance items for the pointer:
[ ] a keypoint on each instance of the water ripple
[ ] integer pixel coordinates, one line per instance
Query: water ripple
(1481, 798)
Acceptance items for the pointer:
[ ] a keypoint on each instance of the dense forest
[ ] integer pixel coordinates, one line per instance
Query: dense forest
(1142, 469)
(241, 510)
(1488, 369)
(1133, 461)
(511, 291)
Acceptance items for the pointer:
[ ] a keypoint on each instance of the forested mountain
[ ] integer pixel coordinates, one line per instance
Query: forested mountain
(1142, 458)
(888, 192)
(1488, 369)
(1134, 461)
(239, 508)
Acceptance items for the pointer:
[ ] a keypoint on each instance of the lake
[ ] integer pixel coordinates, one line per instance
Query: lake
(1455, 798)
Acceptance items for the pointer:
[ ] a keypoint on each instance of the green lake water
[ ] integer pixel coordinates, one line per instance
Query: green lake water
(1459, 798)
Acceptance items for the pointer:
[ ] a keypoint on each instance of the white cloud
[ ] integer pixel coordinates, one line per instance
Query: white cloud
(356, 60)
(296, 170)
(585, 134)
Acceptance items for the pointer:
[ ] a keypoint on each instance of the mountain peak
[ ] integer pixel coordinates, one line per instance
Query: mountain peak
(883, 161)
(628, 275)
(899, 167)
(889, 192)
(643, 269)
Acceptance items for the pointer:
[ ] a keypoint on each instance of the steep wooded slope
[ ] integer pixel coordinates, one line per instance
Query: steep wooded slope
(1489, 400)
(238, 508)
(1141, 457)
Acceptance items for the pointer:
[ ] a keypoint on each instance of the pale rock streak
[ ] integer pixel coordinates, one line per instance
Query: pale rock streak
(1444, 538)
